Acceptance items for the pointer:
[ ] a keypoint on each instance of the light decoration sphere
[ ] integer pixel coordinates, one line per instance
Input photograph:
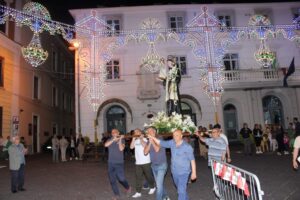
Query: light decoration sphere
(34, 54)
(264, 56)
(36, 11)
(152, 61)
(259, 20)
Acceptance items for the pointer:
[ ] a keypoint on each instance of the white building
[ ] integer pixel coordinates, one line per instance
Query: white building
(251, 94)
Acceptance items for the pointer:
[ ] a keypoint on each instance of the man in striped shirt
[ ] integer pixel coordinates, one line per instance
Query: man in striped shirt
(216, 145)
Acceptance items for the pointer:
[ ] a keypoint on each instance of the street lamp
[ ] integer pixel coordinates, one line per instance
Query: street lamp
(74, 46)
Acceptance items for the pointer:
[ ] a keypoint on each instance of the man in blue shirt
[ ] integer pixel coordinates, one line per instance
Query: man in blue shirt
(116, 147)
(182, 162)
(159, 164)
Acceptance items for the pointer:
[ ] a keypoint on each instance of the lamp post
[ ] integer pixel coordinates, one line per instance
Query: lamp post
(74, 46)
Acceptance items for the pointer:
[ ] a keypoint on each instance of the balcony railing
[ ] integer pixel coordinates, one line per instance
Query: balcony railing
(250, 77)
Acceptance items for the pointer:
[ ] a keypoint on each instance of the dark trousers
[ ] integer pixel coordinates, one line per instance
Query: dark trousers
(17, 178)
(116, 173)
(73, 152)
(141, 170)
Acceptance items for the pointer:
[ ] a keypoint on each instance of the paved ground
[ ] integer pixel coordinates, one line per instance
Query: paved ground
(88, 180)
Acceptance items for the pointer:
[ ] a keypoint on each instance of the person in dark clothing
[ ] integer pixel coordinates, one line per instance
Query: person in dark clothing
(116, 145)
(297, 127)
(246, 134)
(105, 137)
(279, 133)
(257, 133)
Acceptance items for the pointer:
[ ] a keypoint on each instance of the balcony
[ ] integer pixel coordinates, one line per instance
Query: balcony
(258, 78)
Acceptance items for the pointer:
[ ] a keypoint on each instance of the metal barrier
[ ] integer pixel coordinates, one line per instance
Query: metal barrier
(233, 183)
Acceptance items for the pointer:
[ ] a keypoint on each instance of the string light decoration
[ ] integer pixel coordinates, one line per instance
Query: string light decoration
(34, 54)
(152, 61)
(211, 53)
(264, 55)
(92, 66)
(259, 20)
(205, 35)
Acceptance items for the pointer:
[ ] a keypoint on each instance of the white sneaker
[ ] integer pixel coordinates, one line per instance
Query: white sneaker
(286, 153)
(137, 195)
(152, 190)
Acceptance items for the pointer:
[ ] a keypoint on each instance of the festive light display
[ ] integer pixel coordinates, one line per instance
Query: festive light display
(34, 53)
(205, 35)
(259, 20)
(92, 66)
(264, 55)
(152, 61)
(211, 53)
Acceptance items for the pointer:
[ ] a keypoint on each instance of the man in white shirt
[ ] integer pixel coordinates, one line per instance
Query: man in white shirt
(142, 164)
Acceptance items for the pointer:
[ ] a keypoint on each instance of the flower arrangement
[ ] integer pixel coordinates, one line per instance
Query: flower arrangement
(167, 124)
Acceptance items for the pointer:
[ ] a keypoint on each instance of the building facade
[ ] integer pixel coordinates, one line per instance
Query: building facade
(35, 102)
(252, 93)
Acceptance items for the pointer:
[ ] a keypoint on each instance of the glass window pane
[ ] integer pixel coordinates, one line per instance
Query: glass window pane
(180, 24)
(116, 72)
(179, 18)
(172, 19)
(116, 62)
(227, 65)
(109, 72)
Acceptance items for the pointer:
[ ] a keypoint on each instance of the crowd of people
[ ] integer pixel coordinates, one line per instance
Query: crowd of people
(149, 150)
(271, 138)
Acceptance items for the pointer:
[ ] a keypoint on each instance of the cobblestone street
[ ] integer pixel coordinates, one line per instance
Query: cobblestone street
(88, 180)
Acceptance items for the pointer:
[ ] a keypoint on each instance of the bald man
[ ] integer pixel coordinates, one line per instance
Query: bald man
(182, 162)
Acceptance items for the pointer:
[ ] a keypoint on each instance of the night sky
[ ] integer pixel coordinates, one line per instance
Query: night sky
(59, 8)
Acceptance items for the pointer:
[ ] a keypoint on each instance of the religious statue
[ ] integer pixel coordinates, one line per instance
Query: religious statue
(171, 76)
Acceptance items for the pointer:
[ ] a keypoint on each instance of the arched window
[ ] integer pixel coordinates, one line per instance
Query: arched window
(230, 121)
(273, 110)
(186, 110)
(116, 118)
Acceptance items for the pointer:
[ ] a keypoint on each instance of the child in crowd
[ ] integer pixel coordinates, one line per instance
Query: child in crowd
(265, 140)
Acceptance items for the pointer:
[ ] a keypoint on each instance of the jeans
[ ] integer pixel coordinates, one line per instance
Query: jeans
(116, 172)
(181, 181)
(159, 172)
(17, 178)
(55, 153)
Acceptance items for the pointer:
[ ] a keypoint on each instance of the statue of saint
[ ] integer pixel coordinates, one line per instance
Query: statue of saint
(171, 76)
